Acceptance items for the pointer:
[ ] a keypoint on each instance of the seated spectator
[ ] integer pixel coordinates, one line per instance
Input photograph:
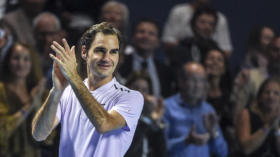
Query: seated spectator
(21, 91)
(19, 21)
(117, 14)
(258, 126)
(47, 28)
(258, 42)
(248, 81)
(203, 24)
(219, 89)
(178, 25)
(192, 125)
(149, 139)
(219, 85)
(145, 41)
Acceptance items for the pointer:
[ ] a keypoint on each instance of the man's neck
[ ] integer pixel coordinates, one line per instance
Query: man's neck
(96, 82)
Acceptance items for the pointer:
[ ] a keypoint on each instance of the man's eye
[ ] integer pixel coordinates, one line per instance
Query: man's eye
(99, 50)
(114, 51)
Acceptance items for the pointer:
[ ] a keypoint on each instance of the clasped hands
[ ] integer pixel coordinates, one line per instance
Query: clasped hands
(210, 122)
(65, 65)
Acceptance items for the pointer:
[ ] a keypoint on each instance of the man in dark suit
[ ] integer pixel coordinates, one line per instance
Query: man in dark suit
(140, 56)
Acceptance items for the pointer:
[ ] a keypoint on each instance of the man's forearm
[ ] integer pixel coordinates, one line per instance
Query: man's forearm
(98, 116)
(45, 119)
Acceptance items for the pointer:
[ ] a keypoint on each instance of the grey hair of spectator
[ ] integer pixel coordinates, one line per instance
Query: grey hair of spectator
(123, 8)
(47, 14)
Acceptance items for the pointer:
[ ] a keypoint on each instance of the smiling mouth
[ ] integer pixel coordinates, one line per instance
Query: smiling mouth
(104, 66)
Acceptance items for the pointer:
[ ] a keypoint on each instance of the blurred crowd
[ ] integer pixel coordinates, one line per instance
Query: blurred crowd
(193, 104)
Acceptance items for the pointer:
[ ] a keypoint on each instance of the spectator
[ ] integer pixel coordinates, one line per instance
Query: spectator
(20, 20)
(258, 42)
(20, 94)
(219, 90)
(219, 85)
(257, 126)
(145, 41)
(117, 14)
(47, 28)
(203, 24)
(178, 25)
(192, 125)
(149, 139)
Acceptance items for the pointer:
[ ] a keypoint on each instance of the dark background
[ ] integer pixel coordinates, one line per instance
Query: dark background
(242, 15)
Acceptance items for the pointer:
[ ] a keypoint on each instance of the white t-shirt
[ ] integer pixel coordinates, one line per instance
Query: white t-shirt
(79, 138)
(178, 26)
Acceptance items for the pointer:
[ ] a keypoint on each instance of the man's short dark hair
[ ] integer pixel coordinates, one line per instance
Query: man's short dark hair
(105, 28)
(146, 20)
(203, 10)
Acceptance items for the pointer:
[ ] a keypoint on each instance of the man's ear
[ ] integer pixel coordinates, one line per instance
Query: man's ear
(84, 52)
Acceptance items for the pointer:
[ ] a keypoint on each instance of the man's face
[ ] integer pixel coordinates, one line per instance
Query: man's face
(146, 37)
(45, 33)
(205, 25)
(103, 56)
(193, 83)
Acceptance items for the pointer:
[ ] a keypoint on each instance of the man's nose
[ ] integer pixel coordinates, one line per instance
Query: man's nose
(106, 55)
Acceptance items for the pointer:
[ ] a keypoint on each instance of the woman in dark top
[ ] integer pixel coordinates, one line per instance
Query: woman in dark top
(219, 84)
(258, 126)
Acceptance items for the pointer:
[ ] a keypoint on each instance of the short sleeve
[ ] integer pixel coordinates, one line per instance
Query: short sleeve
(130, 106)
(63, 100)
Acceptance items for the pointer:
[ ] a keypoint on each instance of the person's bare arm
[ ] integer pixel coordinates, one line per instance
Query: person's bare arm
(103, 120)
(45, 119)
(249, 141)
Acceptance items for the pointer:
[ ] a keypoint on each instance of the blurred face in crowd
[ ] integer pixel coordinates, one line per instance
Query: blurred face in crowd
(46, 32)
(205, 25)
(102, 56)
(270, 97)
(141, 85)
(215, 63)
(20, 62)
(113, 14)
(193, 83)
(274, 49)
(267, 35)
(145, 38)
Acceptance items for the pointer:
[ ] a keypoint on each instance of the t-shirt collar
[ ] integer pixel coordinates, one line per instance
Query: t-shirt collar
(105, 87)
